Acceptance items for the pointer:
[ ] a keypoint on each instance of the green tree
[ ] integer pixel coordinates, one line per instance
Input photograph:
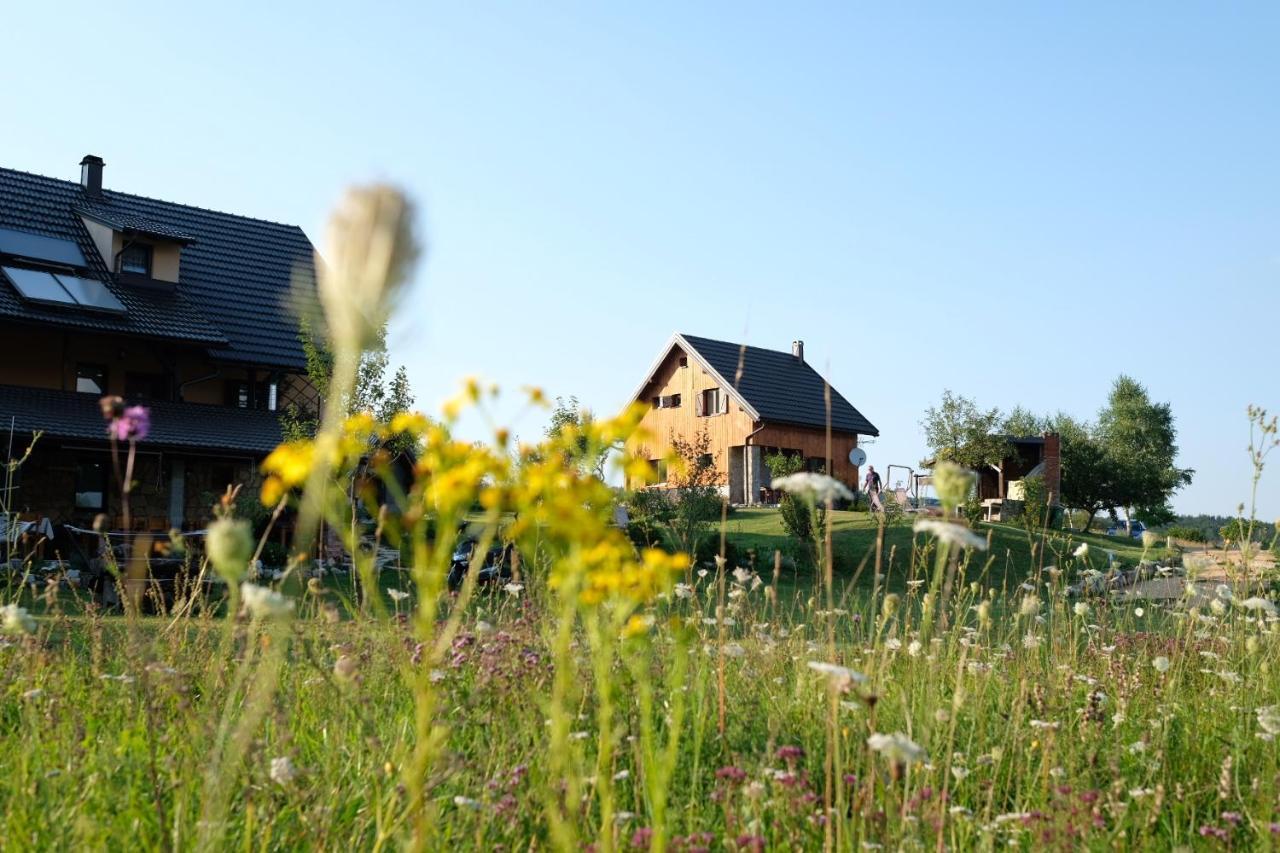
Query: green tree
(1022, 422)
(372, 393)
(958, 431)
(1139, 440)
(569, 416)
(696, 481)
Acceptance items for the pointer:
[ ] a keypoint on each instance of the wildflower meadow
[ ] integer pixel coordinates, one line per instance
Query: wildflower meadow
(920, 690)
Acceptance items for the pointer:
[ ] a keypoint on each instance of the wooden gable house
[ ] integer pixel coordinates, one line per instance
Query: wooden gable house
(750, 402)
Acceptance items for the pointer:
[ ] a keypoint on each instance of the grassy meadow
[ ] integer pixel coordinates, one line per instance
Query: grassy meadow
(1022, 718)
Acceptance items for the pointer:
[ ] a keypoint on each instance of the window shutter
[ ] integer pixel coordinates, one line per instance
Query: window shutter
(724, 403)
(700, 408)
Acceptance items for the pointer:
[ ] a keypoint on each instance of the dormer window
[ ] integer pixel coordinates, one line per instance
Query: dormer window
(135, 259)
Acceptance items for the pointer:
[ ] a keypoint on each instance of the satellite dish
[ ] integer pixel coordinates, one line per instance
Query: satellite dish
(857, 456)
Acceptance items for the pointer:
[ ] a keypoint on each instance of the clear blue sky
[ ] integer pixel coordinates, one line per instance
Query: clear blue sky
(1016, 203)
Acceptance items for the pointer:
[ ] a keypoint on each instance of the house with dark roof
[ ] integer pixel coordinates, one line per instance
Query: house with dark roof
(188, 311)
(750, 402)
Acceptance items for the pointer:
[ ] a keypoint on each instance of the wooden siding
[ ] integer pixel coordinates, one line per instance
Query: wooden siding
(813, 444)
(726, 430)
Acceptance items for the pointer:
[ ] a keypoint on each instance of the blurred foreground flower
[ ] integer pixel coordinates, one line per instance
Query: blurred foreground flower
(229, 545)
(897, 748)
(16, 620)
(814, 488)
(952, 534)
(131, 423)
(264, 603)
(953, 483)
(283, 771)
(369, 252)
(1256, 604)
(840, 677)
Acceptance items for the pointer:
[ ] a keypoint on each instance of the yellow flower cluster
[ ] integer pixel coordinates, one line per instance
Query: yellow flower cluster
(555, 507)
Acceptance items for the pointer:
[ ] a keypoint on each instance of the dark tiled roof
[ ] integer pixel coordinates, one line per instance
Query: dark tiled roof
(779, 387)
(43, 206)
(235, 280)
(127, 222)
(66, 414)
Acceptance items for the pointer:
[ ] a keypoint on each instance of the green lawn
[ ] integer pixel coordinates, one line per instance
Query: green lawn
(854, 536)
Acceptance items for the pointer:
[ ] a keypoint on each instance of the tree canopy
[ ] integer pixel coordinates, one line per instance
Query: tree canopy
(956, 430)
(1126, 460)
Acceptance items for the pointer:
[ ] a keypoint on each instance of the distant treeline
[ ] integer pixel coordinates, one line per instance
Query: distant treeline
(1209, 528)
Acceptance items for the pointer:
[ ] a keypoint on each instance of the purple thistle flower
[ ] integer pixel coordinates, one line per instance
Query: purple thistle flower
(732, 774)
(790, 753)
(132, 424)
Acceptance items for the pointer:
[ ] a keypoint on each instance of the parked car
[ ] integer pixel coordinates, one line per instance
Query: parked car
(1133, 530)
(493, 571)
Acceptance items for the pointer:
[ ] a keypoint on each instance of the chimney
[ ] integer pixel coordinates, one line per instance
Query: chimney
(797, 349)
(91, 175)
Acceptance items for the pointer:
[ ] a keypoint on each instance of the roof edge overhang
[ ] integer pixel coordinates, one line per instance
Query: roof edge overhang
(214, 345)
(678, 340)
(101, 219)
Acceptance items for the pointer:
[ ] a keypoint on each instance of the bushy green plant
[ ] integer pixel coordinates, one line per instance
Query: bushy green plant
(1034, 514)
(803, 523)
(1186, 534)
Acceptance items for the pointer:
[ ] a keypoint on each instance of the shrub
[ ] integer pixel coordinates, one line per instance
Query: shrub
(802, 522)
(1187, 534)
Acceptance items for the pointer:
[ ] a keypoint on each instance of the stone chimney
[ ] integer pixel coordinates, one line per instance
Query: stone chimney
(91, 175)
(797, 349)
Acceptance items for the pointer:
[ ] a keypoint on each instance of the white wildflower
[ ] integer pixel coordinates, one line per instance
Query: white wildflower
(897, 747)
(283, 771)
(466, 802)
(683, 590)
(1139, 612)
(840, 676)
(1218, 606)
(1258, 604)
(913, 648)
(1081, 609)
(742, 576)
(1161, 664)
(1030, 606)
(814, 488)
(513, 589)
(263, 602)
(893, 644)
(397, 595)
(734, 650)
(16, 620)
(952, 534)
(1269, 719)
(1081, 551)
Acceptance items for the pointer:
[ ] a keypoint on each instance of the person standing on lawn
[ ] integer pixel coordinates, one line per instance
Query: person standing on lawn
(871, 485)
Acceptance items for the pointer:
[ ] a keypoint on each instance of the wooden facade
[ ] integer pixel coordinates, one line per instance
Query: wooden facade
(681, 396)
